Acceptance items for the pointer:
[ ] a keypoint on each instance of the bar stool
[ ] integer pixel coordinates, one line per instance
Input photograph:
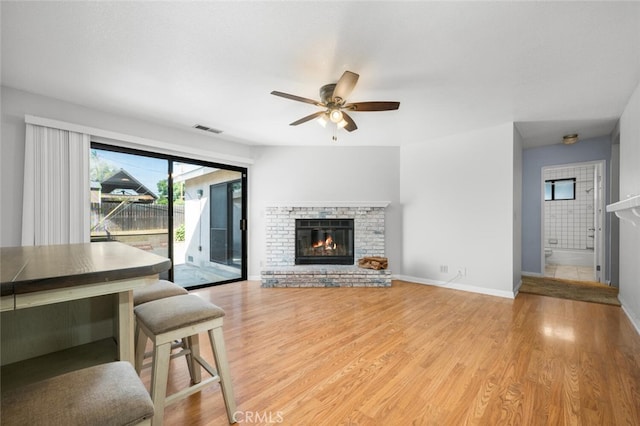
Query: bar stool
(175, 318)
(159, 290)
(105, 394)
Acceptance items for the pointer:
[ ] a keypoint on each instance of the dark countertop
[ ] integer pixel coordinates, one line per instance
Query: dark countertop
(35, 268)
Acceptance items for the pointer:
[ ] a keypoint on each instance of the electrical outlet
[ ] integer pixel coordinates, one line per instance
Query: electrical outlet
(462, 272)
(444, 269)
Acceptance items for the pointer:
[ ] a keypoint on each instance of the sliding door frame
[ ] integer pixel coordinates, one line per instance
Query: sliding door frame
(171, 159)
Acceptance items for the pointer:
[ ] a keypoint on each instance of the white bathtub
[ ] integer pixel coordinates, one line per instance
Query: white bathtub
(570, 257)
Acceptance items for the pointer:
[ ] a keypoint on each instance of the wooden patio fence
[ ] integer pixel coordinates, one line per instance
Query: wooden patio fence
(133, 217)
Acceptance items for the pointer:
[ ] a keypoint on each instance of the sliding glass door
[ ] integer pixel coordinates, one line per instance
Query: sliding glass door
(127, 201)
(211, 241)
(192, 212)
(226, 223)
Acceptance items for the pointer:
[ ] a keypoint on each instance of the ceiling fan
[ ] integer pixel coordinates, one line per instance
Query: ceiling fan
(333, 101)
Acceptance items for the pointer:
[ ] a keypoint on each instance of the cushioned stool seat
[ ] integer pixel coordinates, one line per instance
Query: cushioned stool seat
(158, 290)
(107, 394)
(174, 318)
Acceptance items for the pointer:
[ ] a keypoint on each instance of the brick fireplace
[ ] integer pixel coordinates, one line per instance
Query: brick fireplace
(368, 240)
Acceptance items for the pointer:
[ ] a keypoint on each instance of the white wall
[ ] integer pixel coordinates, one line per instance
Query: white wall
(331, 173)
(614, 222)
(457, 196)
(517, 209)
(630, 185)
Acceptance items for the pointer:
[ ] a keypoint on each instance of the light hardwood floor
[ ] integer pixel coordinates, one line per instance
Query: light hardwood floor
(416, 354)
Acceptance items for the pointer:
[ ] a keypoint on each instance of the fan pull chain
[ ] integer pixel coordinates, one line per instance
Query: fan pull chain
(335, 134)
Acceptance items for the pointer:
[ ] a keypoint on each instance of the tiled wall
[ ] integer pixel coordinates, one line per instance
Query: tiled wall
(569, 221)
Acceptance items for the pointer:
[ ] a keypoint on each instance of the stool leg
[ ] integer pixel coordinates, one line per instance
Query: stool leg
(220, 353)
(159, 377)
(141, 344)
(193, 344)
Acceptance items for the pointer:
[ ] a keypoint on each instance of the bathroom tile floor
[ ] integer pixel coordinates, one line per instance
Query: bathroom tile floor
(570, 272)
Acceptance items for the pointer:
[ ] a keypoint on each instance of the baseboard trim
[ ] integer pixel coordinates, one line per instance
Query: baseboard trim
(532, 274)
(516, 290)
(456, 286)
(635, 321)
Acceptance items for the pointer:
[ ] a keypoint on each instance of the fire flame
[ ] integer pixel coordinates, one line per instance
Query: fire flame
(327, 244)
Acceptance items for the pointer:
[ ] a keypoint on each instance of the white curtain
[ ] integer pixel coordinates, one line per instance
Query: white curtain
(56, 206)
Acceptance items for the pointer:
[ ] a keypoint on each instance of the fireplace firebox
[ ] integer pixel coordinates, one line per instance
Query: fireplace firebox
(324, 241)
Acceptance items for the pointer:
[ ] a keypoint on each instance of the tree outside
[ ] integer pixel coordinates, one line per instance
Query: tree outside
(163, 193)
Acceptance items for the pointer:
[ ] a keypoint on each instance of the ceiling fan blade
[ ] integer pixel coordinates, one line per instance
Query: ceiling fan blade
(307, 118)
(351, 125)
(372, 106)
(296, 98)
(344, 86)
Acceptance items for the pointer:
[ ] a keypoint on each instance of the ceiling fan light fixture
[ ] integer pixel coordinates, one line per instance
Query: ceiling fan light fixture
(570, 139)
(333, 99)
(335, 115)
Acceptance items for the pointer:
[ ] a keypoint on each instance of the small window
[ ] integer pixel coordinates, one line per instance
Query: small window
(560, 189)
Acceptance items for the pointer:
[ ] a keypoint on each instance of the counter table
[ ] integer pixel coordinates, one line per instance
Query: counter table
(41, 275)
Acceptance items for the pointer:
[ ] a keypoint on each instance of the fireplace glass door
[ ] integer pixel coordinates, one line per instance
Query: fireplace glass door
(324, 241)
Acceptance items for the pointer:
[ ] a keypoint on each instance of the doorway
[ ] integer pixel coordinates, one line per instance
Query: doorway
(573, 225)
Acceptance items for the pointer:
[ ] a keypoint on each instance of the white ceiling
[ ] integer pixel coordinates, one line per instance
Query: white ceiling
(551, 67)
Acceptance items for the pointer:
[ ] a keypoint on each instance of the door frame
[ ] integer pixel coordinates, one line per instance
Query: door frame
(599, 243)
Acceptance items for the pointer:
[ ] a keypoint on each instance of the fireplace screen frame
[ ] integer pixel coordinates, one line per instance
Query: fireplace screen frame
(342, 230)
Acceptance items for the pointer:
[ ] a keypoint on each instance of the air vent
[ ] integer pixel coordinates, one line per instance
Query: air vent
(207, 129)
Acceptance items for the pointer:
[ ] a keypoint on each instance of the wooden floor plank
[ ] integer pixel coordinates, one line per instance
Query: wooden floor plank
(416, 354)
